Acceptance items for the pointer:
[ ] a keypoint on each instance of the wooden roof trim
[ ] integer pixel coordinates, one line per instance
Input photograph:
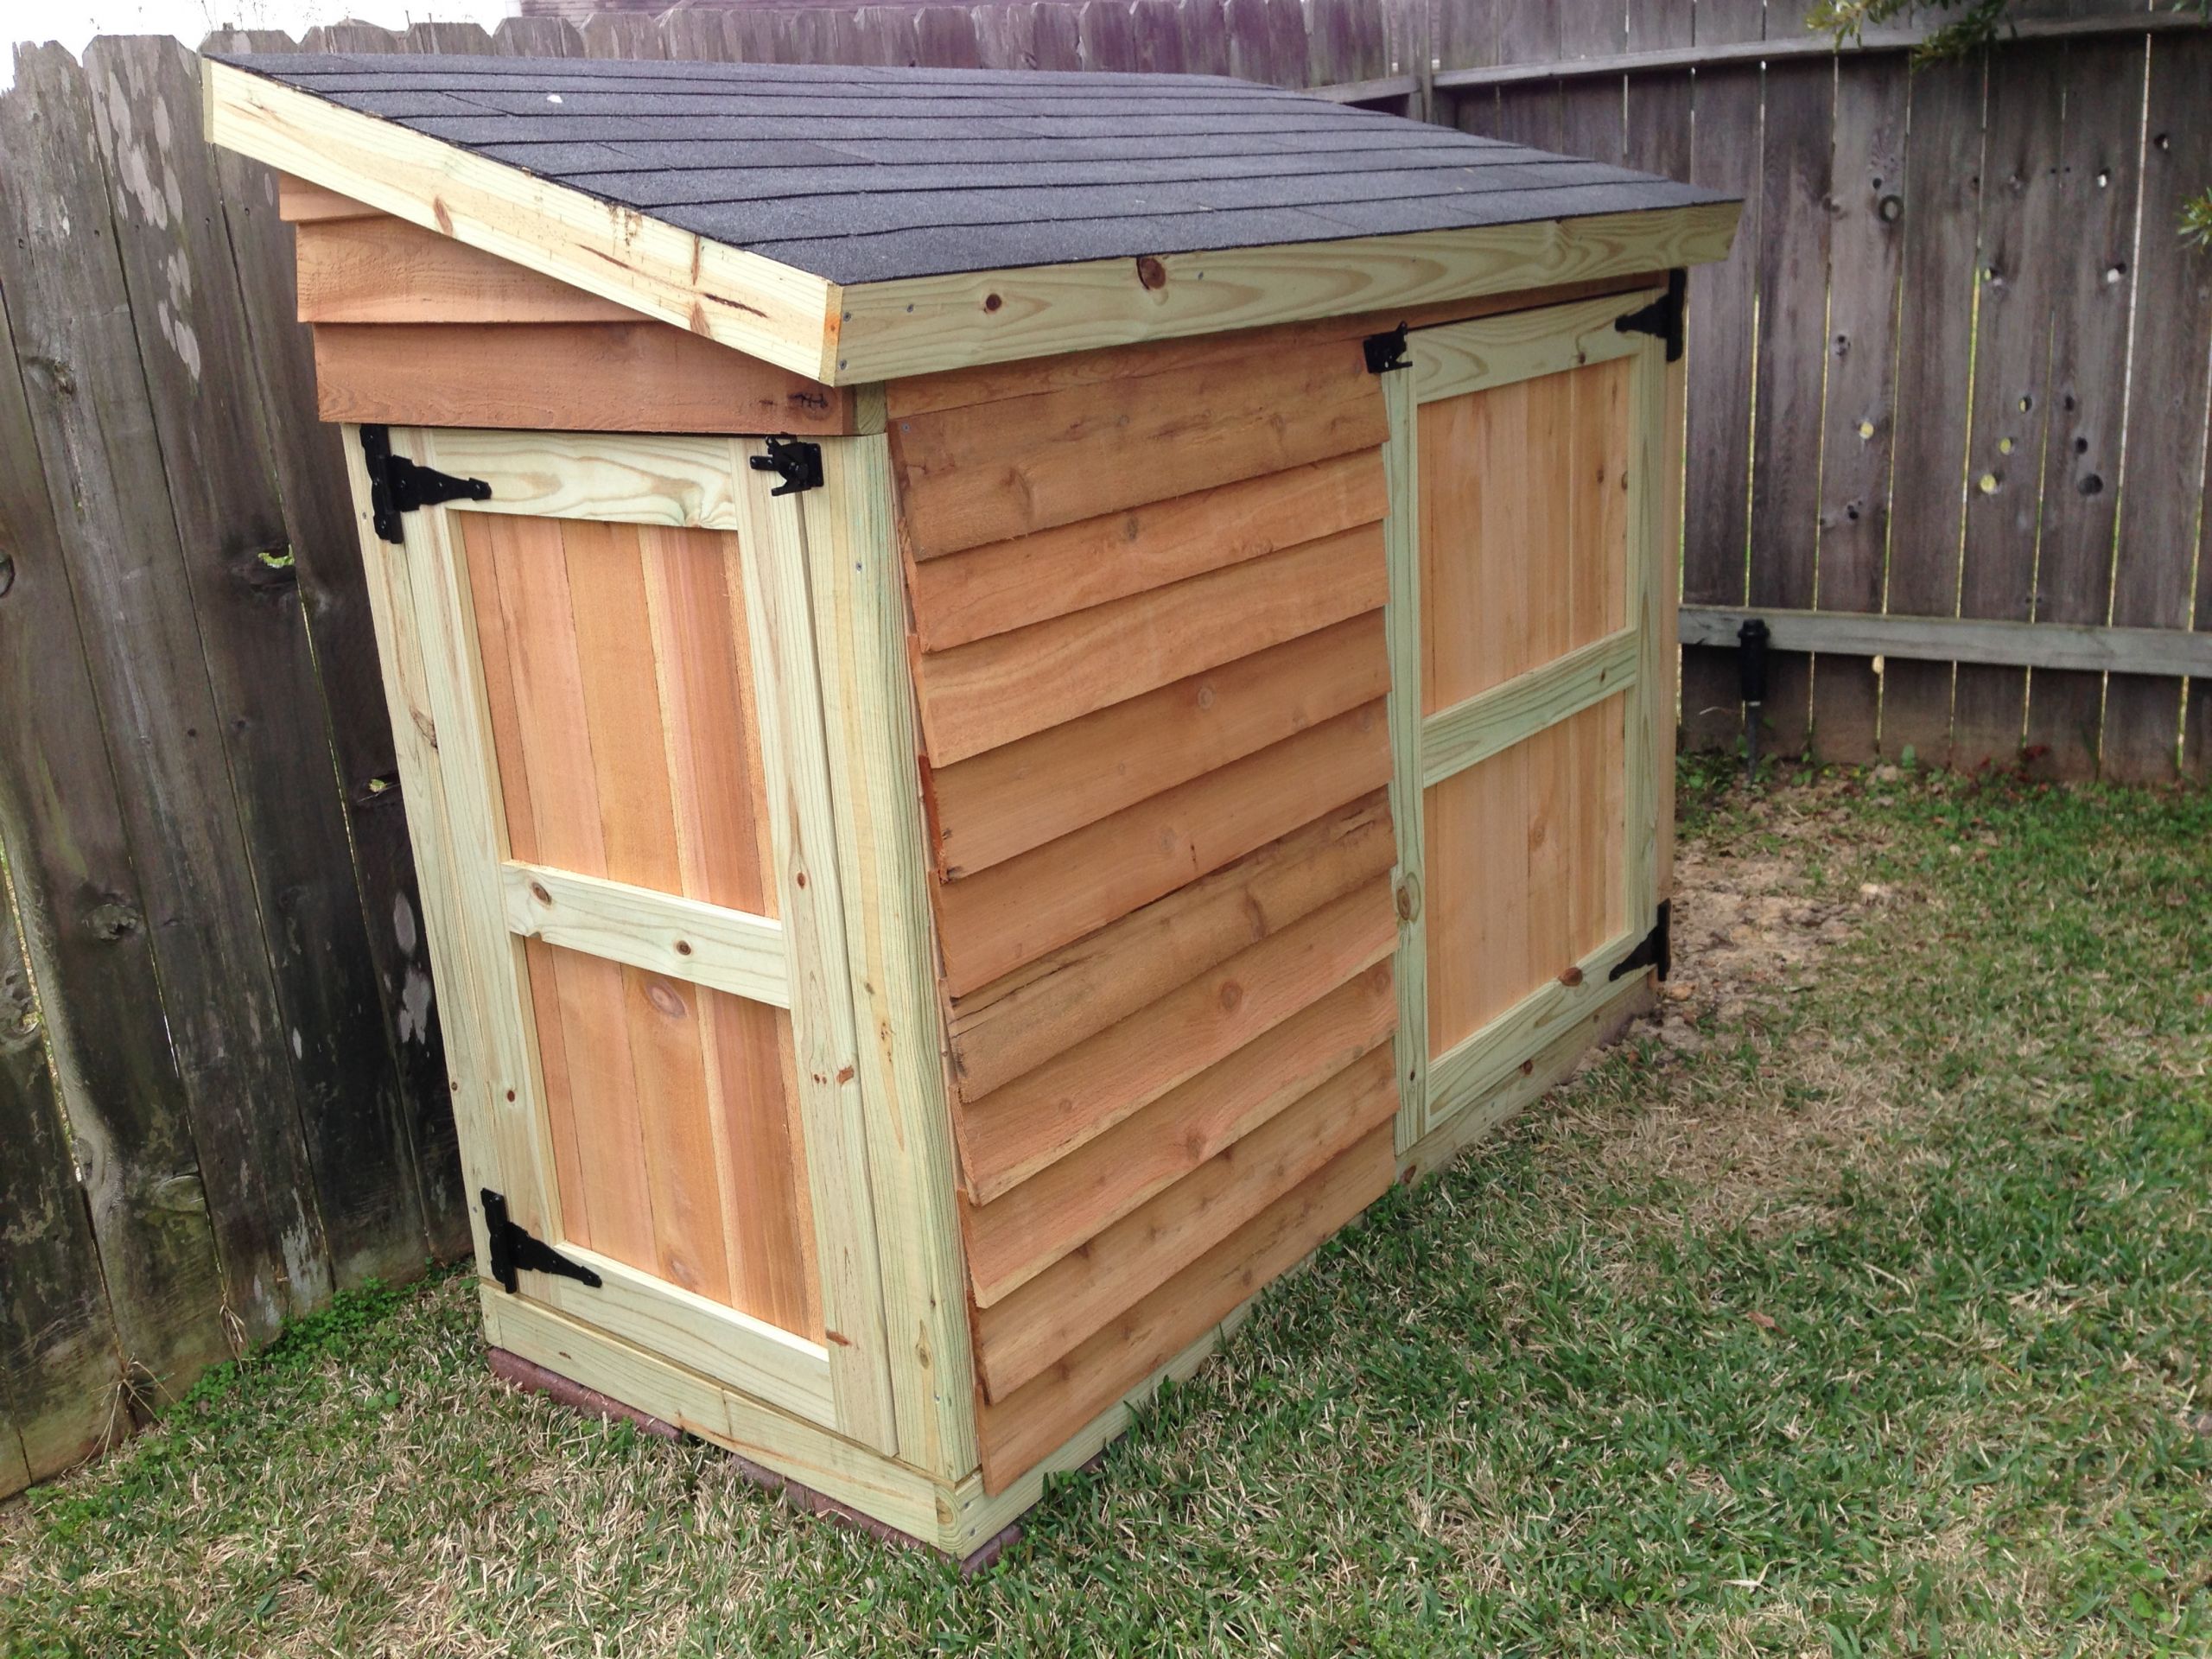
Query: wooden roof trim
(924, 324)
(740, 300)
(875, 332)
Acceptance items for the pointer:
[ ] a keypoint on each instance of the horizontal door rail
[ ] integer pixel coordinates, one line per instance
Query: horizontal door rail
(1494, 721)
(1806, 44)
(1454, 358)
(2163, 652)
(770, 1364)
(1481, 1060)
(662, 933)
(628, 478)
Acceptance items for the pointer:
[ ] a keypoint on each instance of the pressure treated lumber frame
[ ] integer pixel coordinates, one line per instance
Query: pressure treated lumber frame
(992, 748)
(956, 1516)
(846, 335)
(486, 904)
(832, 553)
(1447, 361)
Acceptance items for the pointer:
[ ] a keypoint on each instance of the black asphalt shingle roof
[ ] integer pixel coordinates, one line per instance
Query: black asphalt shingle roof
(861, 174)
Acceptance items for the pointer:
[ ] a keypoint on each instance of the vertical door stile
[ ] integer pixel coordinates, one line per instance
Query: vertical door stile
(490, 983)
(802, 832)
(1402, 551)
(1647, 506)
(396, 611)
(868, 713)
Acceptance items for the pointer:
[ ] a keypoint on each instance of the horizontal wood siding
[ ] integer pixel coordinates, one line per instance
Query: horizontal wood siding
(562, 377)
(1022, 1020)
(1018, 1338)
(1152, 680)
(1030, 579)
(1035, 1420)
(413, 328)
(385, 270)
(990, 471)
(1021, 795)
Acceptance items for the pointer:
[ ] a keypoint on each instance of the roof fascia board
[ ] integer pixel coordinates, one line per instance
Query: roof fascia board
(740, 300)
(920, 325)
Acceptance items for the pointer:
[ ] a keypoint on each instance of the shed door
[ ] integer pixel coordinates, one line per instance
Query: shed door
(1525, 450)
(657, 1069)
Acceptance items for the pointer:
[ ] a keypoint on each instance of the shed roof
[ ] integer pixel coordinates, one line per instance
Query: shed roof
(862, 223)
(862, 175)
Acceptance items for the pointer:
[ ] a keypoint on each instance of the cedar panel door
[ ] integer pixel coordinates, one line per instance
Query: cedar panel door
(1525, 452)
(622, 805)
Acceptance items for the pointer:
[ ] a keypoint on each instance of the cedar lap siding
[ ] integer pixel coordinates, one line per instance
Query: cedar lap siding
(1085, 637)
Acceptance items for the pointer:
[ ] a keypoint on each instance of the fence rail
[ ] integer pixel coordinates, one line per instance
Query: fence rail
(1950, 396)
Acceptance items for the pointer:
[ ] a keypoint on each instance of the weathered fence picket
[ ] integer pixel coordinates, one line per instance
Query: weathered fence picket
(1960, 367)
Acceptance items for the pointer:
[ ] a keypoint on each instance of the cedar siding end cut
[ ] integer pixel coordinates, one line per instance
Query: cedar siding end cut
(744, 302)
(575, 376)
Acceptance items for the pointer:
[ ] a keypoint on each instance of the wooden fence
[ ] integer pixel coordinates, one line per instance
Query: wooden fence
(1957, 368)
(1924, 388)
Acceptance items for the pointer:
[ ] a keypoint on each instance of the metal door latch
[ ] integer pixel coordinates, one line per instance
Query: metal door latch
(797, 462)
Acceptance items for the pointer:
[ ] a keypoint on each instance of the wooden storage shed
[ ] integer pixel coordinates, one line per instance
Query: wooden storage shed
(1015, 692)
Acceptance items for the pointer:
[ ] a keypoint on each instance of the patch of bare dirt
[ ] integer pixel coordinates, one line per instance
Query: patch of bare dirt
(1761, 1147)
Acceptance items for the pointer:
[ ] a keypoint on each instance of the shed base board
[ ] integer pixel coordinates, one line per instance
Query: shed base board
(536, 1348)
(534, 1378)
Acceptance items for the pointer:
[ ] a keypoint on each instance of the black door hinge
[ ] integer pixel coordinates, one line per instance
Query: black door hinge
(1386, 351)
(1657, 949)
(398, 484)
(795, 460)
(514, 1251)
(1663, 318)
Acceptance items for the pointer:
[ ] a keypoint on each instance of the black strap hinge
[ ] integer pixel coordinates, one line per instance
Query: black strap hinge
(1657, 949)
(1386, 351)
(795, 460)
(514, 1251)
(398, 484)
(1664, 318)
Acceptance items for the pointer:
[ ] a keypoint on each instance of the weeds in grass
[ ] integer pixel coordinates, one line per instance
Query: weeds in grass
(1860, 1303)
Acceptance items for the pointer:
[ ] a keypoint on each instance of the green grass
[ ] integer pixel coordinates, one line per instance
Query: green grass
(1863, 1304)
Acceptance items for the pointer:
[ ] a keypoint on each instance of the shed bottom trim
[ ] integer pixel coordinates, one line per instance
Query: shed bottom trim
(818, 1468)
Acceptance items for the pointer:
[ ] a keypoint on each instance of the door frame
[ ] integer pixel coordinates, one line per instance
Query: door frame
(1448, 361)
(480, 909)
